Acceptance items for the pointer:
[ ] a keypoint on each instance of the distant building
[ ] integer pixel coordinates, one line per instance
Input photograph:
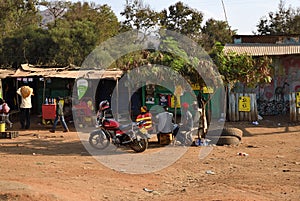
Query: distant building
(284, 50)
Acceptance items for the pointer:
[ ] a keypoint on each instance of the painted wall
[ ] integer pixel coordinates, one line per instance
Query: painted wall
(273, 98)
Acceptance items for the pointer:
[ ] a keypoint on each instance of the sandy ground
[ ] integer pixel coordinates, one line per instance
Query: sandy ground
(39, 165)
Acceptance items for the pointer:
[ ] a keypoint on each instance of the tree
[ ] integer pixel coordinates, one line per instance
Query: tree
(15, 14)
(27, 45)
(105, 21)
(244, 69)
(215, 31)
(76, 40)
(56, 8)
(241, 68)
(183, 19)
(284, 21)
(16, 18)
(139, 16)
(79, 31)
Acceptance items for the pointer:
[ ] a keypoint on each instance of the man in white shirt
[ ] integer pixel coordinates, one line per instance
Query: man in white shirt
(25, 92)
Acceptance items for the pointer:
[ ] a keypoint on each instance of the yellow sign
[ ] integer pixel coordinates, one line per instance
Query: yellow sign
(178, 91)
(298, 99)
(244, 104)
(173, 102)
(195, 86)
(208, 90)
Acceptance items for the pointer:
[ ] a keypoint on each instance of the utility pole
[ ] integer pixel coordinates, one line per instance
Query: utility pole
(223, 5)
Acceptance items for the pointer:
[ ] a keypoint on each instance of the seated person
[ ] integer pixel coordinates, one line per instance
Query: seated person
(165, 123)
(147, 117)
(186, 118)
(185, 137)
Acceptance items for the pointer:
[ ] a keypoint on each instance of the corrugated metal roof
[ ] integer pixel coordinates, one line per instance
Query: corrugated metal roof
(90, 74)
(256, 49)
(31, 71)
(6, 73)
(32, 68)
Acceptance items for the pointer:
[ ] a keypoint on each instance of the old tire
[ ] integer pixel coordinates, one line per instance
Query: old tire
(227, 131)
(224, 140)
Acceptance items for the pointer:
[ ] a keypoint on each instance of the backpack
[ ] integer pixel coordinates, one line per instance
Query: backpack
(5, 108)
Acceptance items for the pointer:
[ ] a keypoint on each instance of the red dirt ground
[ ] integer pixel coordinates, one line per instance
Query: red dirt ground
(39, 165)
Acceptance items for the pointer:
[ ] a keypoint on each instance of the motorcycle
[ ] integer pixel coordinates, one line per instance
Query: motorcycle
(111, 131)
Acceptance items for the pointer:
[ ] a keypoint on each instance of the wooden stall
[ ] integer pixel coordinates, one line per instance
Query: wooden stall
(242, 107)
(294, 106)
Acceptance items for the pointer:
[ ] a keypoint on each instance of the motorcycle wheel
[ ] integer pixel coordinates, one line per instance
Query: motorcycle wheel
(139, 144)
(99, 139)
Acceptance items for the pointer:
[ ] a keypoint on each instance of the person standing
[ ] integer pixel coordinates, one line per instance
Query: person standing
(25, 92)
(59, 116)
(196, 113)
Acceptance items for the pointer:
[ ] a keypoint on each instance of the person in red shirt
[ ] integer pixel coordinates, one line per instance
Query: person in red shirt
(147, 117)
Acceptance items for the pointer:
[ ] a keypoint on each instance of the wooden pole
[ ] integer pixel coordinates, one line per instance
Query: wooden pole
(44, 93)
(117, 89)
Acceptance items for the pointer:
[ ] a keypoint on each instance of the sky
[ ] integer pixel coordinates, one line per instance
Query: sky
(242, 15)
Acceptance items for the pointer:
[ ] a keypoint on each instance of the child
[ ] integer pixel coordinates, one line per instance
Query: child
(4, 112)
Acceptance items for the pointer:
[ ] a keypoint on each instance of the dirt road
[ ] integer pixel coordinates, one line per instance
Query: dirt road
(39, 165)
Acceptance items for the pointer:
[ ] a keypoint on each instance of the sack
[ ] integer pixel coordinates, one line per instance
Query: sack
(26, 91)
(5, 108)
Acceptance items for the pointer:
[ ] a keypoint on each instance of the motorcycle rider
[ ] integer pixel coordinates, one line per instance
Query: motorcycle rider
(112, 130)
(104, 110)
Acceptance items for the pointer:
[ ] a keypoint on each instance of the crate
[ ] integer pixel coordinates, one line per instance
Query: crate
(48, 111)
(9, 134)
(165, 138)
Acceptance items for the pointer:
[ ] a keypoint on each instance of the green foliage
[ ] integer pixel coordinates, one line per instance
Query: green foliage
(77, 29)
(75, 40)
(18, 13)
(182, 19)
(215, 31)
(139, 16)
(27, 45)
(284, 21)
(56, 8)
(83, 27)
(104, 21)
(243, 68)
(15, 15)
